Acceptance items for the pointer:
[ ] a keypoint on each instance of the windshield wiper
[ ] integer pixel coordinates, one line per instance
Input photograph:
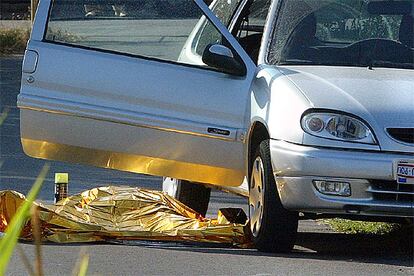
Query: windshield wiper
(296, 62)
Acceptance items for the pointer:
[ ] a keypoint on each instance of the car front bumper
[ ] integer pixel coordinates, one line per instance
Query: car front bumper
(374, 190)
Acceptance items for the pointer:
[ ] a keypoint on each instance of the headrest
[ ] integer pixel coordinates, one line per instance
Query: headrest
(306, 29)
(407, 31)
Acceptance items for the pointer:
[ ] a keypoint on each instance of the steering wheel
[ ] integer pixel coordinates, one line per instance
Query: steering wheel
(381, 49)
(376, 42)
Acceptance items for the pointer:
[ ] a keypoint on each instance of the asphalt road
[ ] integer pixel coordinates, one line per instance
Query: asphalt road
(317, 251)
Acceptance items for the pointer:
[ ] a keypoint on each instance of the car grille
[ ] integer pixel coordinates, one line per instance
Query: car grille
(405, 135)
(385, 190)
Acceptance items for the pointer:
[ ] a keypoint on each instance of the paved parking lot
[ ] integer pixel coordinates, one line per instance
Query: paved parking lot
(318, 250)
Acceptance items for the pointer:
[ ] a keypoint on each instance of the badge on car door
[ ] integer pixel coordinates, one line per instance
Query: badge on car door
(218, 131)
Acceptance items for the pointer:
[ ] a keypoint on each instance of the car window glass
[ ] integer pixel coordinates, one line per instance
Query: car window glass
(250, 31)
(224, 10)
(255, 18)
(344, 32)
(258, 11)
(335, 24)
(149, 28)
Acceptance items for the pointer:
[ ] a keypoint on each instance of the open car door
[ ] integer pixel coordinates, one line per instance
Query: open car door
(103, 84)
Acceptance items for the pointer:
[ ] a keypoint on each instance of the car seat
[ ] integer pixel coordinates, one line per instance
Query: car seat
(301, 38)
(251, 44)
(406, 35)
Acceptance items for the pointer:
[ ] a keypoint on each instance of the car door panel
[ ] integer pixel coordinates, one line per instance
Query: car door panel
(134, 114)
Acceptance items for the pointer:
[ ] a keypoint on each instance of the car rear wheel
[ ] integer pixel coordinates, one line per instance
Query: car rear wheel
(195, 196)
(273, 227)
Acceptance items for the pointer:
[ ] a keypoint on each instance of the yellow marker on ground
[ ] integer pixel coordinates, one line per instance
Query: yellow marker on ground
(61, 186)
(4, 115)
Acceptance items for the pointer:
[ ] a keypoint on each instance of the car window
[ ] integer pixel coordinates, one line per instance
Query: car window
(336, 24)
(344, 32)
(153, 29)
(224, 10)
(250, 29)
(258, 11)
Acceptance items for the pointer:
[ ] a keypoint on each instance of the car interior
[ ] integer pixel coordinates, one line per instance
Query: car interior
(303, 46)
(249, 28)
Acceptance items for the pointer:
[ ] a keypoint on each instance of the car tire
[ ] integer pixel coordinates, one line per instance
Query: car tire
(195, 196)
(274, 228)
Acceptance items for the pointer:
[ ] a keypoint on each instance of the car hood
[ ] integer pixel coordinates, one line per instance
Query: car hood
(383, 97)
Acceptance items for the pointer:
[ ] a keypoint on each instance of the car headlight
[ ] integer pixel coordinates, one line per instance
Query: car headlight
(337, 126)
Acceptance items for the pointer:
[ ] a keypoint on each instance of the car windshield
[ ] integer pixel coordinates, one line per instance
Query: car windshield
(344, 33)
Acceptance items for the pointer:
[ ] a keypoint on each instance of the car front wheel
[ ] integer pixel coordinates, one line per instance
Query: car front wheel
(273, 227)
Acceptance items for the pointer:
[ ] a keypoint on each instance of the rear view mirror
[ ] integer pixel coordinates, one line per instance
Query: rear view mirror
(223, 59)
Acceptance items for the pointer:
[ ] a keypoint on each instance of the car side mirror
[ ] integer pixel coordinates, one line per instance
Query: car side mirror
(222, 58)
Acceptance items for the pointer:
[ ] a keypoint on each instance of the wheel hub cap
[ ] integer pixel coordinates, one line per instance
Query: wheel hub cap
(256, 196)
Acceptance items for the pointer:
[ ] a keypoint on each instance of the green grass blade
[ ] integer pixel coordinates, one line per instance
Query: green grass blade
(9, 240)
(4, 115)
(83, 269)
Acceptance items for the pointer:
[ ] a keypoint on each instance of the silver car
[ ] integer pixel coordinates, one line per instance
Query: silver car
(304, 106)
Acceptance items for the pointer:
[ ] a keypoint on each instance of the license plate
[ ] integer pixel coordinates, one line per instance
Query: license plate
(404, 172)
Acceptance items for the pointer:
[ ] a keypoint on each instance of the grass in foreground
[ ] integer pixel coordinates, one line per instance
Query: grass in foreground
(362, 227)
(13, 41)
(8, 240)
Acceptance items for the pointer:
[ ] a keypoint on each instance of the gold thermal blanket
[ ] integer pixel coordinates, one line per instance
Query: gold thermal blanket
(125, 213)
